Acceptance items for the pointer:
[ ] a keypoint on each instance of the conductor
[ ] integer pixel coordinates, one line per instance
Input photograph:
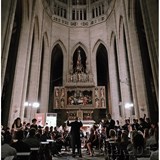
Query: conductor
(75, 136)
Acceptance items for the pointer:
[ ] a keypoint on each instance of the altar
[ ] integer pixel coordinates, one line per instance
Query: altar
(80, 97)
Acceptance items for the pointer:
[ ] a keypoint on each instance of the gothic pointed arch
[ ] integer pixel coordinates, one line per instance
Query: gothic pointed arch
(98, 42)
(79, 44)
(61, 44)
(103, 71)
(102, 65)
(56, 72)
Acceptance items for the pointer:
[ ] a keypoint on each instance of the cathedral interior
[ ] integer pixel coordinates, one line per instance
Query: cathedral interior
(82, 58)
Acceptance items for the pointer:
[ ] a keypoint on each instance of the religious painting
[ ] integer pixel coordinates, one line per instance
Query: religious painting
(59, 97)
(97, 104)
(79, 97)
(102, 92)
(56, 91)
(100, 98)
(62, 103)
(62, 92)
(96, 92)
(57, 103)
(102, 102)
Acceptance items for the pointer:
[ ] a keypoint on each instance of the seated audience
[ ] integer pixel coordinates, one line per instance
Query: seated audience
(32, 141)
(45, 135)
(20, 146)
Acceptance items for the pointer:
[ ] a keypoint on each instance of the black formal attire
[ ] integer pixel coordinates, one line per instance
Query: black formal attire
(110, 124)
(34, 126)
(75, 136)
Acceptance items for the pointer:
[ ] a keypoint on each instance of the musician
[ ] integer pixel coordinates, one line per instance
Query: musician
(110, 124)
(17, 125)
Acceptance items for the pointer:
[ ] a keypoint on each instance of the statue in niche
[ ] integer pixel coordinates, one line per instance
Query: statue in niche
(62, 103)
(96, 92)
(57, 103)
(102, 102)
(62, 92)
(102, 92)
(96, 102)
(57, 92)
(79, 66)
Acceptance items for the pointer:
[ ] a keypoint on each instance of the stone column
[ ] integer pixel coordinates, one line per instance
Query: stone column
(140, 98)
(150, 17)
(33, 84)
(124, 72)
(7, 19)
(45, 82)
(113, 82)
(19, 88)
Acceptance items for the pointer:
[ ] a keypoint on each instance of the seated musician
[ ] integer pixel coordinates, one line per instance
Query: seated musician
(66, 139)
(93, 140)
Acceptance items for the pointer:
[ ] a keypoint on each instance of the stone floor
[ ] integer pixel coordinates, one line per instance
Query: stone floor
(68, 156)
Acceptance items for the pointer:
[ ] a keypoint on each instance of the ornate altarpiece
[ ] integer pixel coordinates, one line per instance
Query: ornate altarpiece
(79, 97)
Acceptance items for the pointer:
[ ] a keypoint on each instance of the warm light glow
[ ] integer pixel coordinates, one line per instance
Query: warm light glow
(26, 104)
(128, 105)
(35, 104)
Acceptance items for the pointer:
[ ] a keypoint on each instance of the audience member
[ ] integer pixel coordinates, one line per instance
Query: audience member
(45, 135)
(20, 146)
(32, 141)
(6, 149)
